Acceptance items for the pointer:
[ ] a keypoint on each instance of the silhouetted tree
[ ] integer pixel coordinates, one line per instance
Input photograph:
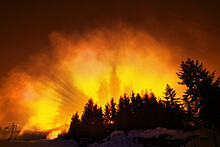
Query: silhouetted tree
(210, 111)
(110, 116)
(147, 122)
(98, 123)
(124, 113)
(198, 81)
(92, 121)
(107, 115)
(173, 112)
(137, 111)
(156, 111)
(152, 111)
(74, 130)
(170, 96)
(112, 110)
(88, 113)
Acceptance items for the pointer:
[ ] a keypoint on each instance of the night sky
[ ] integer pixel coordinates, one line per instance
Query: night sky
(25, 25)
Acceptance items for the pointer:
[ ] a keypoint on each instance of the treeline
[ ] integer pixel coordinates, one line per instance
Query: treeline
(199, 106)
(131, 112)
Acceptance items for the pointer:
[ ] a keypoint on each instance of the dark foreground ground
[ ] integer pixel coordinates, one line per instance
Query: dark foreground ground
(158, 137)
(42, 143)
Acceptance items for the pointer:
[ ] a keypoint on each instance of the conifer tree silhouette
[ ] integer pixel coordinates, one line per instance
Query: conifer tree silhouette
(74, 130)
(124, 113)
(170, 96)
(200, 88)
(113, 110)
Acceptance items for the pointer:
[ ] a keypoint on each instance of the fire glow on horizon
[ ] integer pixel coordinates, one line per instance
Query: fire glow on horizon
(101, 64)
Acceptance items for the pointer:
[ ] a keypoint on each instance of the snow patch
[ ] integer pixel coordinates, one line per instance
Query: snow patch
(130, 139)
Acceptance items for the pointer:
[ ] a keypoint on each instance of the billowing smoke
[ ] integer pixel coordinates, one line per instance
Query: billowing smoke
(100, 63)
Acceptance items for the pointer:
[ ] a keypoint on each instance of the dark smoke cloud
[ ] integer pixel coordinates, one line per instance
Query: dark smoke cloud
(191, 26)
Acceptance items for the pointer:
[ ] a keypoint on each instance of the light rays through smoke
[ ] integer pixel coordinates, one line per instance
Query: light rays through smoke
(101, 64)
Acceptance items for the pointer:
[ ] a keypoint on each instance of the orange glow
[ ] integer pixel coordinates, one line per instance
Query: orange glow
(100, 64)
(53, 135)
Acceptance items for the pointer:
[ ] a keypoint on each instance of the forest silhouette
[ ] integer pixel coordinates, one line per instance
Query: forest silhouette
(198, 107)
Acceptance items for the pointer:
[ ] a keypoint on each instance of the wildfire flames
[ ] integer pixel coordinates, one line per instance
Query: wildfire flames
(44, 92)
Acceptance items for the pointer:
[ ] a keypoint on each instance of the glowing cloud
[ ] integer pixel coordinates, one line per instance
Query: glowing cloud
(101, 64)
